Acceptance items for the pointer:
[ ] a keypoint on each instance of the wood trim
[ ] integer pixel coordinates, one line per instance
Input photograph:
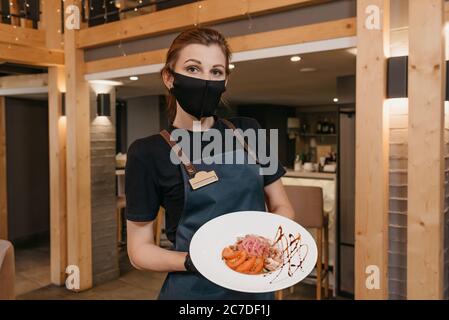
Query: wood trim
(308, 33)
(3, 173)
(58, 179)
(24, 81)
(295, 35)
(31, 56)
(51, 23)
(425, 227)
(446, 11)
(177, 18)
(22, 36)
(371, 178)
(79, 220)
(14, 9)
(57, 127)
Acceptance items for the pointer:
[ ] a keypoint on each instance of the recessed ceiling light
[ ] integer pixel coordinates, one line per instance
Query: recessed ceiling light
(335, 100)
(295, 58)
(307, 70)
(231, 66)
(133, 78)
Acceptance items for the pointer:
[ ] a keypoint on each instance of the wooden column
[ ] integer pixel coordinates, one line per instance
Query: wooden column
(3, 176)
(425, 151)
(79, 236)
(51, 23)
(371, 213)
(58, 178)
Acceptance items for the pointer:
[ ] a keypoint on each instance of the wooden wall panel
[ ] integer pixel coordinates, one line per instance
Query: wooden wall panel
(79, 226)
(425, 153)
(371, 213)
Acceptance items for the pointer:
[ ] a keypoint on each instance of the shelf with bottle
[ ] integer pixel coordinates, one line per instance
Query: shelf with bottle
(324, 128)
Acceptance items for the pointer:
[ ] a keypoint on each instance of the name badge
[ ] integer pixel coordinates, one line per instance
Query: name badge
(203, 178)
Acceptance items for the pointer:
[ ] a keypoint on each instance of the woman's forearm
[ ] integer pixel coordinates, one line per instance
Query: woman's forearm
(285, 211)
(153, 258)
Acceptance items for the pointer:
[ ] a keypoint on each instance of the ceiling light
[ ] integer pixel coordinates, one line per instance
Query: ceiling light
(307, 70)
(133, 78)
(335, 100)
(231, 66)
(295, 58)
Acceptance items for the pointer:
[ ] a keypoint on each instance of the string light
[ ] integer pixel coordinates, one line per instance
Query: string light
(198, 8)
(250, 24)
(137, 7)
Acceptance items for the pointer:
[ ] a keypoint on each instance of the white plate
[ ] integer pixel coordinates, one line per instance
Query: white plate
(208, 242)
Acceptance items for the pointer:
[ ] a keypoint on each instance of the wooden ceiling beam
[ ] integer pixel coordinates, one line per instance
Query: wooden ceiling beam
(177, 18)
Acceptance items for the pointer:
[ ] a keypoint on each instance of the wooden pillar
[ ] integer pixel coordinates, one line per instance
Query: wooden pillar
(58, 179)
(51, 22)
(425, 150)
(3, 171)
(79, 237)
(371, 213)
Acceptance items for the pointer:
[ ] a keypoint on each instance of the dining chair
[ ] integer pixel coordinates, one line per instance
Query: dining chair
(121, 205)
(307, 202)
(157, 226)
(7, 271)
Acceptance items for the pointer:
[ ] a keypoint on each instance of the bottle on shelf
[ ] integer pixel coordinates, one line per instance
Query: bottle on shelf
(319, 127)
(325, 126)
(298, 164)
(332, 128)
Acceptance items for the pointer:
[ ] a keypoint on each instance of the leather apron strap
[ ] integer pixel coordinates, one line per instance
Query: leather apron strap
(240, 139)
(190, 168)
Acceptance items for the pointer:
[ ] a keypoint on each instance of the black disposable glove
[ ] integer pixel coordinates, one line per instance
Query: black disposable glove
(188, 264)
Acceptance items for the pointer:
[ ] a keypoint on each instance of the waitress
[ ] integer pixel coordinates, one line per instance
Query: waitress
(196, 72)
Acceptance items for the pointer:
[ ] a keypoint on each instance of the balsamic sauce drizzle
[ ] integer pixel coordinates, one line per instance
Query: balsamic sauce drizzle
(290, 246)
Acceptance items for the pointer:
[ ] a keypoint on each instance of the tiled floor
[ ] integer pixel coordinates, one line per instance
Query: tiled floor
(33, 281)
(32, 268)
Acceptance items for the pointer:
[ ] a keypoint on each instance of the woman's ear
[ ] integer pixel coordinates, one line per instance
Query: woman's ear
(167, 77)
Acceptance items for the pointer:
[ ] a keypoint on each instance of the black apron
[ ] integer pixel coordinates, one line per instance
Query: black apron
(239, 187)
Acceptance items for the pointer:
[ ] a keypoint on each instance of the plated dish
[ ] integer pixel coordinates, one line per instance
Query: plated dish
(253, 254)
(253, 251)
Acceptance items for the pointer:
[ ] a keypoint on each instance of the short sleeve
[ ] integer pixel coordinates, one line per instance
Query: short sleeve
(275, 170)
(141, 188)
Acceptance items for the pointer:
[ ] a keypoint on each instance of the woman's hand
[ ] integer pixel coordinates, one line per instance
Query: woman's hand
(277, 200)
(145, 255)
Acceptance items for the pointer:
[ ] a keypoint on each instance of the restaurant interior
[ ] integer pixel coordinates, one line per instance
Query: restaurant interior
(70, 109)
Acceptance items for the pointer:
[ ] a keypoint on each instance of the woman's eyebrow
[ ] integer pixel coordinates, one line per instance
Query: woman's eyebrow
(199, 62)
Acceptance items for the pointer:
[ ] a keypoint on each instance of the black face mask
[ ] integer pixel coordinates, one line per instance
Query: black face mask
(197, 97)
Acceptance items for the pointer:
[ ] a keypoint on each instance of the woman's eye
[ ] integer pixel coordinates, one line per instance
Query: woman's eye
(217, 72)
(192, 69)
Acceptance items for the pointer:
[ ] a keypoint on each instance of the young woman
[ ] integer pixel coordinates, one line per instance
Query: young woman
(195, 73)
